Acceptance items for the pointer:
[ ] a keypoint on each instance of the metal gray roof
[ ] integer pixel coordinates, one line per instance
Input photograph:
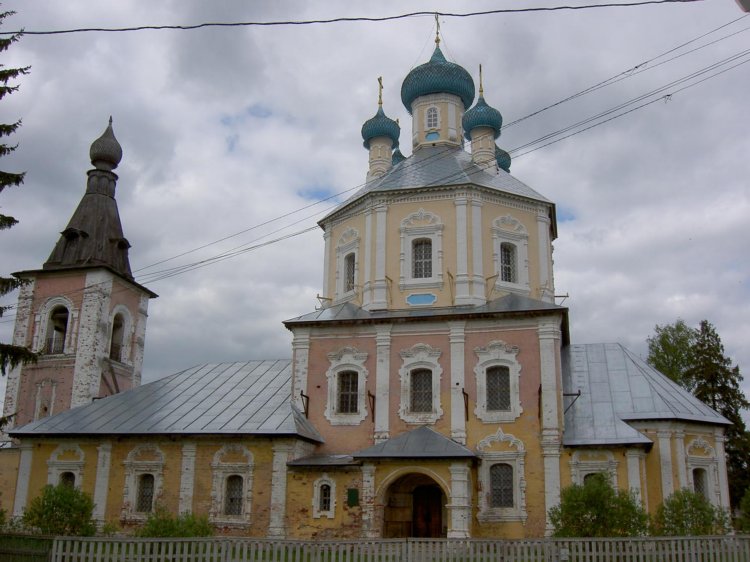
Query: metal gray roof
(348, 312)
(617, 386)
(437, 166)
(250, 398)
(422, 442)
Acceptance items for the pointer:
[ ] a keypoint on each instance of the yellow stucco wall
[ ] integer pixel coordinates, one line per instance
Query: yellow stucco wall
(8, 475)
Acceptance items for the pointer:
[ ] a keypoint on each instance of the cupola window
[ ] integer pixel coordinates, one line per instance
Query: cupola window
(432, 118)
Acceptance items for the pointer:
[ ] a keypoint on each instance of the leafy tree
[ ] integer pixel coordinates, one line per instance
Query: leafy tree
(10, 355)
(161, 523)
(61, 510)
(687, 513)
(670, 352)
(596, 509)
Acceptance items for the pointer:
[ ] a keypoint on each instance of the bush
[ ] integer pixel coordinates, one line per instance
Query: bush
(686, 513)
(161, 524)
(743, 522)
(596, 509)
(61, 510)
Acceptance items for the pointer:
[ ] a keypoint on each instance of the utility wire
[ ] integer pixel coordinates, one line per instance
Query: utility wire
(345, 19)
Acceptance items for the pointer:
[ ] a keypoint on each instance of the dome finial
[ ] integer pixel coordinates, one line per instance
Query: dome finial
(481, 87)
(437, 30)
(380, 91)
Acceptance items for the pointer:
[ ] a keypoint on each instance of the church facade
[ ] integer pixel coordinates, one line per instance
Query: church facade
(435, 393)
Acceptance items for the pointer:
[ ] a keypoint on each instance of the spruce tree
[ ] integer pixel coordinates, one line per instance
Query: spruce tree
(10, 355)
(717, 384)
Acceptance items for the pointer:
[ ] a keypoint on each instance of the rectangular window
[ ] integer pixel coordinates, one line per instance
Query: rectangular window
(422, 258)
(508, 263)
(421, 391)
(349, 263)
(233, 495)
(348, 392)
(498, 389)
(501, 485)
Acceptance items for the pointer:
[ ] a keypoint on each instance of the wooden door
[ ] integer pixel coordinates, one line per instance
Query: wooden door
(427, 514)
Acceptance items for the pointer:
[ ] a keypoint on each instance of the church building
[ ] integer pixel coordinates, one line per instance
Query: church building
(435, 393)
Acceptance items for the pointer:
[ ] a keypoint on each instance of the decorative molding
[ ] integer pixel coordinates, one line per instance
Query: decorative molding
(329, 513)
(592, 461)
(143, 459)
(509, 230)
(421, 224)
(231, 460)
(420, 356)
(497, 353)
(513, 455)
(73, 463)
(348, 243)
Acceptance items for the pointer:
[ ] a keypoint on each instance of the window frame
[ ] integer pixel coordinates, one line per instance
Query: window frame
(72, 462)
(502, 448)
(348, 244)
(585, 462)
(346, 359)
(421, 224)
(510, 232)
(42, 320)
(420, 356)
(222, 470)
(430, 111)
(135, 467)
(701, 455)
(498, 354)
(318, 512)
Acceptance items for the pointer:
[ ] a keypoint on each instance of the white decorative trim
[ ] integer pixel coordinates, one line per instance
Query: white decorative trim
(135, 467)
(701, 455)
(101, 484)
(420, 356)
(346, 359)
(497, 354)
(222, 469)
(438, 116)
(187, 477)
(592, 461)
(421, 224)
(382, 381)
(348, 243)
(459, 506)
(331, 511)
(513, 455)
(55, 466)
(508, 229)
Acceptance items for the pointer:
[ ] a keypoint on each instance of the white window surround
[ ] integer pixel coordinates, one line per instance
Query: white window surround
(348, 243)
(421, 224)
(317, 512)
(497, 353)
(222, 470)
(515, 457)
(41, 321)
(143, 459)
(510, 230)
(699, 454)
(420, 356)
(346, 359)
(127, 332)
(56, 466)
(592, 461)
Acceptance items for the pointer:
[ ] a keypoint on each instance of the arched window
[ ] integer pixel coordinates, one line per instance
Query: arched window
(67, 478)
(508, 270)
(700, 484)
(145, 494)
(349, 262)
(57, 329)
(498, 389)
(422, 258)
(118, 332)
(325, 498)
(233, 495)
(432, 118)
(421, 391)
(348, 389)
(501, 485)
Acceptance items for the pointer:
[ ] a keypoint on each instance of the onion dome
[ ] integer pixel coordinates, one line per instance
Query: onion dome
(482, 115)
(397, 157)
(438, 76)
(105, 151)
(380, 126)
(503, 158)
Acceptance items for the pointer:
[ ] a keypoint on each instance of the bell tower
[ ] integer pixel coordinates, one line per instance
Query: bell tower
(83, 312)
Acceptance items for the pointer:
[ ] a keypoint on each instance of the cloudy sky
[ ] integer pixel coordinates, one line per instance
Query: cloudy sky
(225, 129)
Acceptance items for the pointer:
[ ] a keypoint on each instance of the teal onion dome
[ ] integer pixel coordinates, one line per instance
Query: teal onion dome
(503, 158)
(482, 115)
(397, 157)
(380, 126)
(438, 76)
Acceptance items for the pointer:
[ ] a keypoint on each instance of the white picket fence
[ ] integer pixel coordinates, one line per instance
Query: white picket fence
(682, 549)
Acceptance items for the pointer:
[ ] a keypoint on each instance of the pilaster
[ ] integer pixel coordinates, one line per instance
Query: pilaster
(367, 269)
(634, 457)
(139, 342)
(665, 461)
(382, 381)
(459, 508)
(277, 522)
(478, 286)
(101, 485)
(380, 285)
(22, 482)
(301, 357)
(369, 529)
(327, 265)
(458, 411)
(722, 460)
(462, 253)
(187, 477)
(20, 337)
(546, 280)
(679, 441)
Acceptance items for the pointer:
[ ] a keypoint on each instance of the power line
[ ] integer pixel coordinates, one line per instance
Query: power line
(344, 19)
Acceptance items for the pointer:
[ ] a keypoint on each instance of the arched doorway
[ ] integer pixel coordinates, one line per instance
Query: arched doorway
(415, 507)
